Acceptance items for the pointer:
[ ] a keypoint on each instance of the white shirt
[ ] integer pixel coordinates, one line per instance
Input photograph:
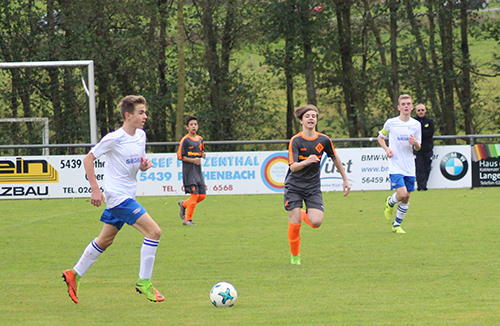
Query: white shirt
(398, 132)
(123, 159)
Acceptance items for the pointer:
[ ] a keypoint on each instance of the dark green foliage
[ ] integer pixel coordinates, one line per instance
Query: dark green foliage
(353, 75)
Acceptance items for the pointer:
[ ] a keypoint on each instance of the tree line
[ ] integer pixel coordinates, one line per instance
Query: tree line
(350, 58)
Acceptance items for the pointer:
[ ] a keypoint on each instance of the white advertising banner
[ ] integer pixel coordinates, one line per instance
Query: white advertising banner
(225, 173)
(368, 168)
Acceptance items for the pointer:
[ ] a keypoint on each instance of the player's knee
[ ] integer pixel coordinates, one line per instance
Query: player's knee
(156, 233)
(104, 243)
(316, 224)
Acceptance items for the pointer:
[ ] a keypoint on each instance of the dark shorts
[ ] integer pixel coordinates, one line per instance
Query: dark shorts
(196, 189)
(128, 212)
(399, 180)
(312, 199)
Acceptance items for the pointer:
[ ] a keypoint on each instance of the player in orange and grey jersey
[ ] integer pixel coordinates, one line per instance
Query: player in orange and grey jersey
(300, 149)
(302, 182)
(191, 151)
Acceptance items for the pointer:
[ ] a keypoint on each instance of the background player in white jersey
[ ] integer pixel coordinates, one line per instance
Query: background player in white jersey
(125, 150)
(405, 135)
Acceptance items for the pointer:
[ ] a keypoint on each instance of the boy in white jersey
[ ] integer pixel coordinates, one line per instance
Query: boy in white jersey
(405, 135)
(125, 151)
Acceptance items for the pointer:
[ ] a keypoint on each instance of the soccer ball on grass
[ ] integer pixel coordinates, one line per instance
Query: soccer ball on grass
(223, 294)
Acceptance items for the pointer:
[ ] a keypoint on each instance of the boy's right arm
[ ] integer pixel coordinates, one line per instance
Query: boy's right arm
(194, 160)
(382, 143)
(297, 166)
(96, 197)
(293, 157)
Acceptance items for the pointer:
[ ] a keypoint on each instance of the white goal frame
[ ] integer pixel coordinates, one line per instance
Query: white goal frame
(90, 89)
(45, 134)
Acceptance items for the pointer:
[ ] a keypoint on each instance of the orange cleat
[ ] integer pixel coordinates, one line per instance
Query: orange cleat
(70, 279)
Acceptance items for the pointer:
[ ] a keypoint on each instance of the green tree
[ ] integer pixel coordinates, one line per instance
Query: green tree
(20, 40)
(182, 70)
(279, 21)
(445, 14)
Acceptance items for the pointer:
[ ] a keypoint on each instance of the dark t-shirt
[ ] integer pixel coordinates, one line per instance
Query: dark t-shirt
(192, 148)
(427, 133)
(299, 149)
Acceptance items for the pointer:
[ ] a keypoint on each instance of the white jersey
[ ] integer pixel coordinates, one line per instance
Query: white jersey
(398, 132)
(123, 159)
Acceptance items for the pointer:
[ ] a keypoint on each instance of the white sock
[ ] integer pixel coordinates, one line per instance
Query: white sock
(89, 256)
(400, 214)
(393, 201)
(148, 254)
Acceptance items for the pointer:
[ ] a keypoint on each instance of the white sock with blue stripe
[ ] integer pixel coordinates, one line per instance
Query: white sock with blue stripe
(148, 254)
(89, 256)
(393, 201)
(400, 214)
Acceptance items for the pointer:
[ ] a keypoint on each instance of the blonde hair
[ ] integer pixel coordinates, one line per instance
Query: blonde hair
(403, 97)
(300, 111)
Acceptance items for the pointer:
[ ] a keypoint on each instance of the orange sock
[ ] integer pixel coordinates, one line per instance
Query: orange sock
(303, 217)
(201, 198)
(294, 238)
(190, 205)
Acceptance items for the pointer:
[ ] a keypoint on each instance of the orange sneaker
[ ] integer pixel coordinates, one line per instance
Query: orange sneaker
(70, 279)
(146, 287)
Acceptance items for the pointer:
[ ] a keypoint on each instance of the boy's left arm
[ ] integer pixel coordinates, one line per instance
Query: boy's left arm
(145, 164)
(414, 142)
(346, 185)
(332, 153)
(203, 154)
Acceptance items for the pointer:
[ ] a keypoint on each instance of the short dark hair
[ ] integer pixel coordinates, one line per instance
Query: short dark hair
(128, 103)
(299, 112)
(189, 118)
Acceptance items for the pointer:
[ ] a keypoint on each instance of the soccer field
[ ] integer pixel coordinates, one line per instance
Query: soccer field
(355, 271)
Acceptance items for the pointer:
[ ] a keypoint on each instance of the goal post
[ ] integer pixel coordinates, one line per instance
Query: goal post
(89, 89)
(45, 133)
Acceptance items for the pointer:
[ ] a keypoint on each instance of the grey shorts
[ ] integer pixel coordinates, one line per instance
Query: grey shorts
(312, 199)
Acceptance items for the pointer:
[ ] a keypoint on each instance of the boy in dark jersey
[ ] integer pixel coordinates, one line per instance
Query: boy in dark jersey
(302, 182)
(191, 150)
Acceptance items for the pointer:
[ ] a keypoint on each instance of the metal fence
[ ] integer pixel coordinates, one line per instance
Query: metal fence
(245, 145)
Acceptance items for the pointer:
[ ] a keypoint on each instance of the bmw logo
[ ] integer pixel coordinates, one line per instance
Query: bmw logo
(454, 166)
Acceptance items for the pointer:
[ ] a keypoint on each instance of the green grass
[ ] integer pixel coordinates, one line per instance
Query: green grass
(354, 270)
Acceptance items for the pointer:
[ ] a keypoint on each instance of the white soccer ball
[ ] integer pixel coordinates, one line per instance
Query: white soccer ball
(223, 294)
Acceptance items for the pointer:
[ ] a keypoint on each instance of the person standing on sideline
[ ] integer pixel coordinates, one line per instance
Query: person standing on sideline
(302, 181)
(191, 151)
(423, 157)
(404, 135)
(125, 150)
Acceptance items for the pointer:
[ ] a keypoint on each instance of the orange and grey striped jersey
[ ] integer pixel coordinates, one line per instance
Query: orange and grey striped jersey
(299, 149)
(192, 148)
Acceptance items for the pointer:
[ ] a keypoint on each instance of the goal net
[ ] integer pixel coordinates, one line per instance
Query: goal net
(62, 91)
